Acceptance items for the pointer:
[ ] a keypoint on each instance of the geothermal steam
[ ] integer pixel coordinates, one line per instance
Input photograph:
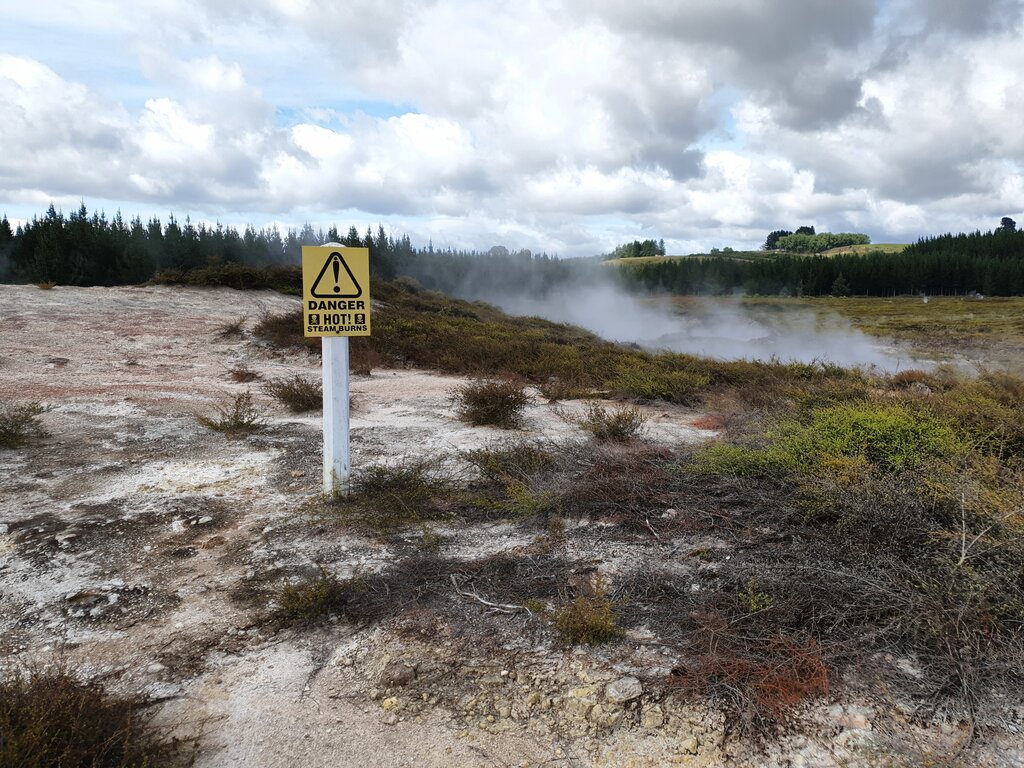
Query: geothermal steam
(721, 329)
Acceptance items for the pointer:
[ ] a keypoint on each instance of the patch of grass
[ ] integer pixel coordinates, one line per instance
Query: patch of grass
(232, 328)
(298, 393)
(46, 286)
(491, 403)
(19, 423)
(49, 718)
(238, 418)
(589, 619)
(612, 425)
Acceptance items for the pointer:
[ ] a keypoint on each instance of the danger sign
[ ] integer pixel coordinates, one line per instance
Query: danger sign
(335, 291)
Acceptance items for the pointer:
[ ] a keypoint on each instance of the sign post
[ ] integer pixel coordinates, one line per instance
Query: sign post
(335, 305)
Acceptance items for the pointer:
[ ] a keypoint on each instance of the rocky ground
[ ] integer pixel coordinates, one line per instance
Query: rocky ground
(137, 545)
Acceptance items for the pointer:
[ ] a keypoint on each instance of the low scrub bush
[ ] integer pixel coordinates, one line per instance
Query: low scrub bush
(888, 436)
(19, 423)
(48, 718)
(491, 403)
(588, 619)
(612, 425)
(242, 373)
(238, 418)
(298, 393)
(516, 462)
(650, 383)
(232, 328)
(390, 497)
(309, 601)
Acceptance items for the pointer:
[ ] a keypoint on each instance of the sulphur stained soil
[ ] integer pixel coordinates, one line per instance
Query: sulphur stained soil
(139, 546)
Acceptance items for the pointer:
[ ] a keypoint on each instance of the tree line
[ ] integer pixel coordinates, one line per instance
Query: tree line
(990, 263)
(90, 249)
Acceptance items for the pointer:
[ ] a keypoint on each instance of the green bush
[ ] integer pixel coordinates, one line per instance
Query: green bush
(612, 425)
(888, 436)
(491, 403)
(589, 619)
(743, 461)
(651, 383)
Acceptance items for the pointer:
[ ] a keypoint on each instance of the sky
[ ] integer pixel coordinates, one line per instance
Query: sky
(565, 126)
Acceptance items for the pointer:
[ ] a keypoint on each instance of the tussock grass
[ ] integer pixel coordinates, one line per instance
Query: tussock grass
(19, 423)
(238, 418)
(50, 718)
(298, 393)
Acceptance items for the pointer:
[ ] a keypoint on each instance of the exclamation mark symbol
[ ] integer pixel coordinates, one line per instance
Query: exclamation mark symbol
(337, 273)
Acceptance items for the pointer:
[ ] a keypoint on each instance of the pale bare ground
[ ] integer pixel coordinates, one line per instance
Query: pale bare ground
(133, 543)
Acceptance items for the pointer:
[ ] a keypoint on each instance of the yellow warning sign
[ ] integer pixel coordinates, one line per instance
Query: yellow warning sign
(335, 291)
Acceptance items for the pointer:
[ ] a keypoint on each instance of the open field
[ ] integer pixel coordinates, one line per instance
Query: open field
(785, 564)
(867, 248)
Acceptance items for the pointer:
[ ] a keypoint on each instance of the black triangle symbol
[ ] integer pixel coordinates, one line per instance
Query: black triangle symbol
(335, 291)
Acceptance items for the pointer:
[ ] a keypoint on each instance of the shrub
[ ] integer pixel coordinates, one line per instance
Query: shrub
(651, 383)
(888, 436)
(48, 718)
(492, 403)
(18, 423)
(231, 328)
(242, 374)
(390, 497)
(297, 393)
(239, 418)
(512, 462)
(588, 619)
(613, 425)
(743, 461)
(313, 599)
(555, 389)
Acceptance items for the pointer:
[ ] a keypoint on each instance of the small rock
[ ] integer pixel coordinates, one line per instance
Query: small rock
(689, 746)
(533, 699)
(622, 690)
(204, 520)
(653, 717)
(606, 715)
(391, 719)
(390, 703)
(298, 473)
(396, 674)
(374, 694)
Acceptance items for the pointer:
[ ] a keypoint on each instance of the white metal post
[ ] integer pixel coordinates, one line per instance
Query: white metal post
(337, 464)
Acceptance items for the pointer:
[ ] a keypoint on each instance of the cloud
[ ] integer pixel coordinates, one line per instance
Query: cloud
(560, 126)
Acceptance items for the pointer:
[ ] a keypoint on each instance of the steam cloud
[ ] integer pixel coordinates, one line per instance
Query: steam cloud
(722, 330)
